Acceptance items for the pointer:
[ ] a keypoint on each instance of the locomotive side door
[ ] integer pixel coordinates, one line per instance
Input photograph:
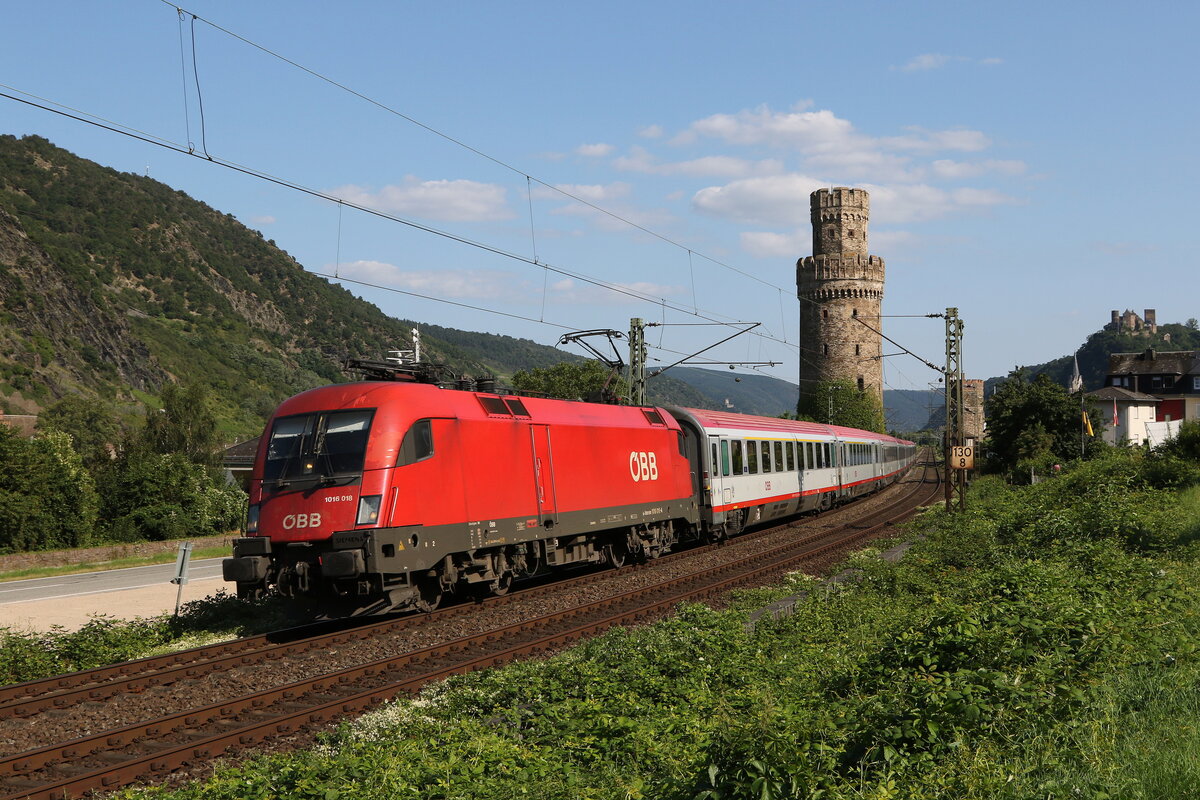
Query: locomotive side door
(543, 475)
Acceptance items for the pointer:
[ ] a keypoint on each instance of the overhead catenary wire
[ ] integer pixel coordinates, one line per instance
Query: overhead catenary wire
(460, 143)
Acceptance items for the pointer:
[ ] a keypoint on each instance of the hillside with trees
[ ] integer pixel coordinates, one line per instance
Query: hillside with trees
(113, 285)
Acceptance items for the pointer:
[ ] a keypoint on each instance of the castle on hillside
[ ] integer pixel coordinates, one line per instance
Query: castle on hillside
(1130, 322)
(840, 287)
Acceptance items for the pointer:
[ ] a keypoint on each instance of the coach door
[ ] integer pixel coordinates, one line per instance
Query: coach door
(543, 475)
(722, 487)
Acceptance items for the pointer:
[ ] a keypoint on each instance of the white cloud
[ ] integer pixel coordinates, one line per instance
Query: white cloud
(926, 61)
(651, 132)
(594, 150)
(774, 200)
(901, 203)
(807, 130)
(263, 220)
(496, 286)
(924, 141)
(593, 193)
(639, 160)
(784, 200)
(452, 200)
(764, 244)
(453, 284)
(826, 142)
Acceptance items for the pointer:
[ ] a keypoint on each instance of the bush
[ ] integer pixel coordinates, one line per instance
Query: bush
(158, 497)
(47, 499)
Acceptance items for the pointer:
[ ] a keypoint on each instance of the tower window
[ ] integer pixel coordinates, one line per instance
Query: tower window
(824, 313)
(850, 233)
(854, 312)
(858, 349)
(860, 384)
(824, 349)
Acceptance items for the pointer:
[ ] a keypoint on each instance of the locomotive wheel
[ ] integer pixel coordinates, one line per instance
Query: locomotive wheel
(429, 595)
(615, 554)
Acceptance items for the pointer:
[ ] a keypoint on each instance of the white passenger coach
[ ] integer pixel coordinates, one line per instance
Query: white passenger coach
(762, 468)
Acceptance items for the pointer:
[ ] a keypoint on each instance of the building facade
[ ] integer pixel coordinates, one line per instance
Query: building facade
(1173, 377)
(840, 287)
(1130, 417)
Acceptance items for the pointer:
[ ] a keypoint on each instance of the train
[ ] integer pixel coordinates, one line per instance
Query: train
(393, 494)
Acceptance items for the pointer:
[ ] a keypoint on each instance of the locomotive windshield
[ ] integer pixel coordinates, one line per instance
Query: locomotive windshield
(327, 444)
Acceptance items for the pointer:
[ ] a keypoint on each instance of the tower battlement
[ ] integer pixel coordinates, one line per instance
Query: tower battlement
(853, 267)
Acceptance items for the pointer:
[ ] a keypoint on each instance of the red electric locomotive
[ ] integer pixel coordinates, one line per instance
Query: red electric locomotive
(391, 494)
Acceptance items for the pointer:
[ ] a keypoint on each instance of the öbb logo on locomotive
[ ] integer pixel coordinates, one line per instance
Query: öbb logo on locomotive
(295, 521)
(643, 466)
(365, 497)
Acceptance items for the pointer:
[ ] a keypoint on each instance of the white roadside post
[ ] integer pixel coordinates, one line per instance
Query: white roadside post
(181, 572)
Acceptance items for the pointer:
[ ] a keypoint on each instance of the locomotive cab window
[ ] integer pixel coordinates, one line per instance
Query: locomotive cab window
(320, 445)
(417, 444)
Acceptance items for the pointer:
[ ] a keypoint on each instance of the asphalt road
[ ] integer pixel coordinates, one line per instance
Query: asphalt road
(114, 580)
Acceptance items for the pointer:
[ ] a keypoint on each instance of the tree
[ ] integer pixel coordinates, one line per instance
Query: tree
(91, 423)
(47, 498)
(165, 496)
(1032, 424)
(842, 403)
(186, 423)
(586, 380)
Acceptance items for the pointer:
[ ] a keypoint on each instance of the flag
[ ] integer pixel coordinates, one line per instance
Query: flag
(1087, 424)
(1076, 379)
(1116, 421)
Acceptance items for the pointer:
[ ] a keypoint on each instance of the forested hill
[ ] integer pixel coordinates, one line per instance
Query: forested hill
(112, 284)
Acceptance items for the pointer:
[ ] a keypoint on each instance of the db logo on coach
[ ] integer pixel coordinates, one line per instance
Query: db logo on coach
(643, 466)
(292, 521)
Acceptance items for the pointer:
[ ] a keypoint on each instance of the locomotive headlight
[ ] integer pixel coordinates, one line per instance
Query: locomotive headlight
(252, 519)
(368, 509)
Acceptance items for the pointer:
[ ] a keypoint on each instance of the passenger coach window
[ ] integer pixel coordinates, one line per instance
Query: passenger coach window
(737, 456)
(766, 456)
(417, 444)
(791, 456)
(725, 457)
(752, 458)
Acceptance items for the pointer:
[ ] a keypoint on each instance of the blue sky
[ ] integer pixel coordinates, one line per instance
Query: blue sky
(1033, 165)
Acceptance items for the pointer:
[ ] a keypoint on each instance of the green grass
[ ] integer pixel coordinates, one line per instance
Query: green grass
(98, 566)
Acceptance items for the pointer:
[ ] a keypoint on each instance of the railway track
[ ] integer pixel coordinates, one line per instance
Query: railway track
(147, 750)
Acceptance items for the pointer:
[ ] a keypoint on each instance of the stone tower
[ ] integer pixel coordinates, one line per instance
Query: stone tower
(838, 282)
